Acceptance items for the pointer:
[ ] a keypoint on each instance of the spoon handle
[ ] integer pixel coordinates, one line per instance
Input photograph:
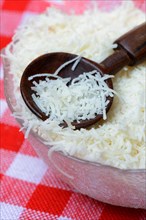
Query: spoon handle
(131, 50)
(134, 43)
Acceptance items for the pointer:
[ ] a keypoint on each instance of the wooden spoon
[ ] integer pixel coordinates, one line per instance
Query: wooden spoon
(131, 50)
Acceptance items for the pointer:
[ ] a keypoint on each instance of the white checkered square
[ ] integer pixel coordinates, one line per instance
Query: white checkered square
(56, 1)
(1, 72)
(64, 218)
(10, 211)
(27, 168)
(3, 107)
(27, 16)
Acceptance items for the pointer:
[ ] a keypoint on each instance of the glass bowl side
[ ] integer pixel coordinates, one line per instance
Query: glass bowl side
(104, 183)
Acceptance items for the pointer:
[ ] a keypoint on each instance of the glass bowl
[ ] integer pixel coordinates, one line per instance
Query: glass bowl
(104, 183)
(101, 182)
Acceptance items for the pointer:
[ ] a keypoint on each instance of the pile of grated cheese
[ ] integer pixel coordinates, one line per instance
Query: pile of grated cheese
(120, 142)
(66, 100)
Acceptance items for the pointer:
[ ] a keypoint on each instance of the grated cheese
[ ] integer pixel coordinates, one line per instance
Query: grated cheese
(65, 64)
(120, 142)
(84, 98)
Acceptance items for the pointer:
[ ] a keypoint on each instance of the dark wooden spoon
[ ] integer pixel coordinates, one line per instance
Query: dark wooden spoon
(131, 50)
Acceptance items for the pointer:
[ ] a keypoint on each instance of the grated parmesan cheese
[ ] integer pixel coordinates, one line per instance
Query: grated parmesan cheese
(120, 142)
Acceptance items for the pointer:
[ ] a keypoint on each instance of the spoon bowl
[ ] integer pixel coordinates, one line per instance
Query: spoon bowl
(42, 65)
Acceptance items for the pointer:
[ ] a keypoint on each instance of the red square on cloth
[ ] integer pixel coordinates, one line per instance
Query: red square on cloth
(1, 89)
(15, 5)
(12, 138)
(49, 199)
(1, 176)
(4, 40)
(16, 192)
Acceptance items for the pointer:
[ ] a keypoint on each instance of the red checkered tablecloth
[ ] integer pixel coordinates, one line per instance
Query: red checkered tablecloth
(29, 189)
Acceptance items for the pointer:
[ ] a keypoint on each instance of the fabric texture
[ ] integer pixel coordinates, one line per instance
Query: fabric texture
(29, 188)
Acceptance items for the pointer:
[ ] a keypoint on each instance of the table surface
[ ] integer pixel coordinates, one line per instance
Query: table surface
(27, 192)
